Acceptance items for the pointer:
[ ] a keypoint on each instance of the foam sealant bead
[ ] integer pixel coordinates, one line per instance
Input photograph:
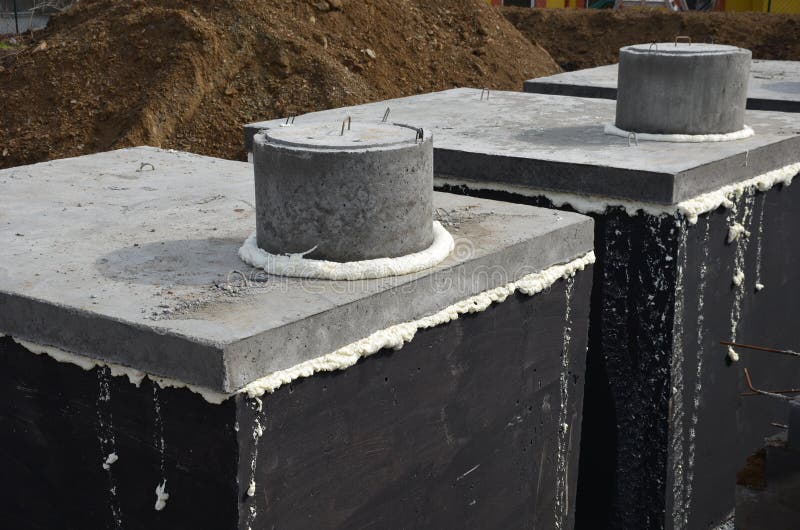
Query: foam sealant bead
(110, 459)
(392, 337)
(161, 496)
(735, 231)
(296, 265)
(745, 132)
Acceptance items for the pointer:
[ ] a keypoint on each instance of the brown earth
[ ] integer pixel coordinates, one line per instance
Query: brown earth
(585, 38)
(186, 74)
(753, 474)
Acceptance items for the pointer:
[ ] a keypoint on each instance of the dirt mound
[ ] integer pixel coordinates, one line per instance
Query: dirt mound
(585, 38)
(185, 74)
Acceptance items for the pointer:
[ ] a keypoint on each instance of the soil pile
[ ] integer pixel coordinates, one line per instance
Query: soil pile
(187, 74)
(586, 38)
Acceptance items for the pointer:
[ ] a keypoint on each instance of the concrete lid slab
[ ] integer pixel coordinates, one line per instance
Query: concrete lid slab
(358, 136)
(558, 143)
(684, 48)
(127, 256)
(774, 85)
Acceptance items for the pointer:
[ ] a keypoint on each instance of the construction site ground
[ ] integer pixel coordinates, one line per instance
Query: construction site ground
(187, 75)
(579, 39)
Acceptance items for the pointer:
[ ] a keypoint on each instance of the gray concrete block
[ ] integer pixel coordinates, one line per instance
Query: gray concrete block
(682, 88)
(773, 85)
(364, 193)
(598, 82)
(556, 143)
(124, 256)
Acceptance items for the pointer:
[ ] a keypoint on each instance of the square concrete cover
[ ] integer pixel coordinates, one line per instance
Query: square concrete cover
(125, 256)
(774, 85)
(558, 143)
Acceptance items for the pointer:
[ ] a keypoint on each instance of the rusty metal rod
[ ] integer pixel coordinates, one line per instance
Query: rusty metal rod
(789, 391)
(760, 348)
(761, 392)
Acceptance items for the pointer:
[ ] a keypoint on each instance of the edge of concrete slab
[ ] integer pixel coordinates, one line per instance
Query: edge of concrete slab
(251, 358)
(472, 141)
(542, 86)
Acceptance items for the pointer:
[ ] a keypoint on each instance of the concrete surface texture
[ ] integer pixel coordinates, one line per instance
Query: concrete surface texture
(556, 143)
(773, 85)
(682, 88)
(349, 192)
(128, 258)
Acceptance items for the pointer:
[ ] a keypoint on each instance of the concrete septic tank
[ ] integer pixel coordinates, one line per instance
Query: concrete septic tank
(695, 244)
(146, 384)
(773, 85)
